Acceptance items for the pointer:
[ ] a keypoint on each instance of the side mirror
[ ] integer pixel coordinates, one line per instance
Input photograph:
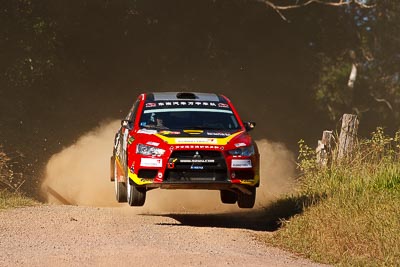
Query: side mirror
(249, 125)
(127, 124)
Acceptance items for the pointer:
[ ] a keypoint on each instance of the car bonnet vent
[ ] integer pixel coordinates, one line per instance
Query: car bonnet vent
(186, 96)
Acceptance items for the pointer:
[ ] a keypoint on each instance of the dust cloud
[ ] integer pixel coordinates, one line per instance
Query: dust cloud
(79, 175)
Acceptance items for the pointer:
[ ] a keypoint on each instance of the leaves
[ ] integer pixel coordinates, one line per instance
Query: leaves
(377, 90)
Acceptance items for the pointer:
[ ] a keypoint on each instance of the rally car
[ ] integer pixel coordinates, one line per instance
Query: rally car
(181, 140)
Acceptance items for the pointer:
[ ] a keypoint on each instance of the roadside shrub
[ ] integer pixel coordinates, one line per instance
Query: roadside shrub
(9, 179)
(10, 182)
(351, 208)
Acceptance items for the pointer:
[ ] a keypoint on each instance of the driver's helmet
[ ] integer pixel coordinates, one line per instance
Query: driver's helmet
(155, 119)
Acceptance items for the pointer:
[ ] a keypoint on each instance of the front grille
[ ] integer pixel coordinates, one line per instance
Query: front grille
(195, 176)
(196, 166)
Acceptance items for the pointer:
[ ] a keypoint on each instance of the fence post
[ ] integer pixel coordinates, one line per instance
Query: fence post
(348, 135)
(324, 149)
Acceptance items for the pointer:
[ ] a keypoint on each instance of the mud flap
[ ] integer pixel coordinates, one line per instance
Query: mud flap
(112, 162)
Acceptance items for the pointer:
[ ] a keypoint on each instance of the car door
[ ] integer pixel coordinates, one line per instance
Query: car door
(124, 133)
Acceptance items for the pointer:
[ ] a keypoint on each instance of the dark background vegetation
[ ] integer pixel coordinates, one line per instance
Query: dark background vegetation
(66, 66)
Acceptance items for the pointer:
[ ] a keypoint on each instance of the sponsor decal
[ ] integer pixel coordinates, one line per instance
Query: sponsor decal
(241, 163)
(193, 131)
(131, 139)
(147, 131)
(183, 104)
(150, 105)
(153, 143)
(218, 134)
(196, 161)
(196, 140)
(240, 144)
(197, 167)
(184, 109)
(169, 132)
(223, 105)
(147, 162)
(198, 147)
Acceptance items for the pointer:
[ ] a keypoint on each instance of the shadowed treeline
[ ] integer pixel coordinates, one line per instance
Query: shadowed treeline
(71, 65)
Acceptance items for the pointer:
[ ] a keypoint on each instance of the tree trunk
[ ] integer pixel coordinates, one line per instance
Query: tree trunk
(324, 149)
(348, 135)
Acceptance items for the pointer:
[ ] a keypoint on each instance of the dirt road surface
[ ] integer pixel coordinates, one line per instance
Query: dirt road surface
(52, 235)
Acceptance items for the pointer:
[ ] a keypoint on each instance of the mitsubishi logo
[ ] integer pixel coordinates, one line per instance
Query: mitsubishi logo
(197, 155)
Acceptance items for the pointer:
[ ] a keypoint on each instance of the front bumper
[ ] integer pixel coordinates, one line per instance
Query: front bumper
(196, 169)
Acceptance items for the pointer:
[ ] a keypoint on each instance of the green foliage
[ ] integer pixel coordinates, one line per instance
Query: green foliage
(371, 45)
(14, 199)
(9, 184)
(331, 92)
(306, 157)
(351, 210)
(382, 147)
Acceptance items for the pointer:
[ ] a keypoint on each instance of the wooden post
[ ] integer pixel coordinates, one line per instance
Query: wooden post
(348, 135)
(324, 149)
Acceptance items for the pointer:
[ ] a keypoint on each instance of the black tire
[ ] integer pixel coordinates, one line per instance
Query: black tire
(228, 197)
(246, 201)
(120, 187)
(136, 196)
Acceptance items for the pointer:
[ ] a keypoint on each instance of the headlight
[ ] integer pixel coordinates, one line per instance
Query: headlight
(242, 151)
(149, 150)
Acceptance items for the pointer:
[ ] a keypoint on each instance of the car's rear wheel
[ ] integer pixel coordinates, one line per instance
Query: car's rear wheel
(120, 187)
(228, 197)
(246, 201)
(136, 196)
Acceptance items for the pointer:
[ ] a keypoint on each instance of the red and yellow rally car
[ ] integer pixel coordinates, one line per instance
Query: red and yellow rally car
(184, 140)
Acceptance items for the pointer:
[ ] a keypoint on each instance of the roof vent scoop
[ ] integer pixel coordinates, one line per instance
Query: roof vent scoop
(185, 95)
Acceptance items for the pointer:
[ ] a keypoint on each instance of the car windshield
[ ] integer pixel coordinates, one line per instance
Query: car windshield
(189, 118)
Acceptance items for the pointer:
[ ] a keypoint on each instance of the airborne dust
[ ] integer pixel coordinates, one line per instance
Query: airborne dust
(79, 175)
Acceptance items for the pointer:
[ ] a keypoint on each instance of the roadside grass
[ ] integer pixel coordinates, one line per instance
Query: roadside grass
(347, 214)
(10, 197)
(14, 199)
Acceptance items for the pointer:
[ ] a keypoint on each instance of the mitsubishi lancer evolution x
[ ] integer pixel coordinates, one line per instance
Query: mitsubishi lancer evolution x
(181, 140)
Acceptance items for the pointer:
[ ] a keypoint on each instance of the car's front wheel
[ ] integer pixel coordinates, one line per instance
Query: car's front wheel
(120, 187)
(246, 201)
(136, 196)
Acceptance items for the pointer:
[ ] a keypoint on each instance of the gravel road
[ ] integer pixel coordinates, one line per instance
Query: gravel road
(51, 235)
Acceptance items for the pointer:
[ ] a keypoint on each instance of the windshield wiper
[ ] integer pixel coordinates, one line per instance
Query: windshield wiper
(156, 127)
(205, 128)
